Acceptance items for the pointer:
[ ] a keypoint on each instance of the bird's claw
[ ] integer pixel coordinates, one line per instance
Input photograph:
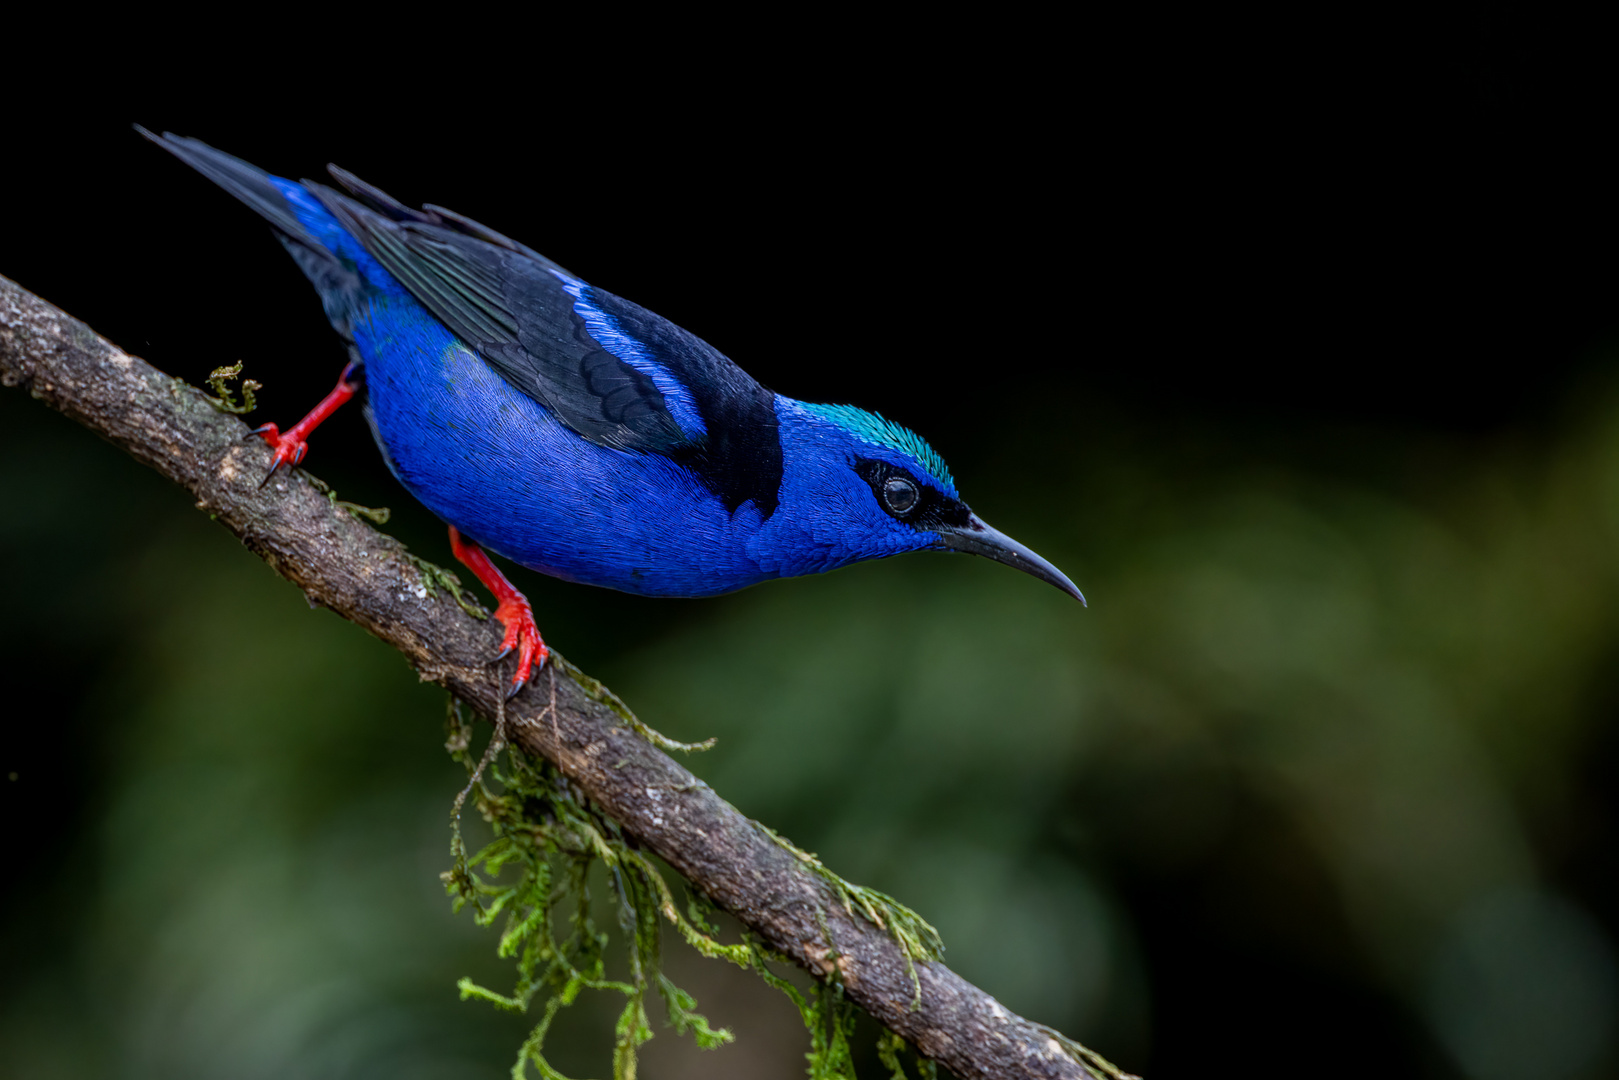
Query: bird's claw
(523, 636)
(288, 448)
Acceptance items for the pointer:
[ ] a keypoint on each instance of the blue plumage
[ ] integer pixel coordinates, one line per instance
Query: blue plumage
(578, 434)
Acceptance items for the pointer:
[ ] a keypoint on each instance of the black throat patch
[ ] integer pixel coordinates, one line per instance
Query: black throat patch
(741, 458)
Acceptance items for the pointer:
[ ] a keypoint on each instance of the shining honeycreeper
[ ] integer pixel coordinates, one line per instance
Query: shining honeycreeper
(577, 433)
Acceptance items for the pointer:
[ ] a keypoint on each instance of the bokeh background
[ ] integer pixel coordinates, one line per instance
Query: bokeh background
(1302, 361)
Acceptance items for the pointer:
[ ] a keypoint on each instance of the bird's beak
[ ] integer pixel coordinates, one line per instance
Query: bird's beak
(977, 538)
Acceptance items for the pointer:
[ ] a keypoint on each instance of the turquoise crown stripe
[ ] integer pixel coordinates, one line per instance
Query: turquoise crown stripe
(882, 432)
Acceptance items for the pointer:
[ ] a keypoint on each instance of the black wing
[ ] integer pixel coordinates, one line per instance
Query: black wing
(518, 309)
(507, 303)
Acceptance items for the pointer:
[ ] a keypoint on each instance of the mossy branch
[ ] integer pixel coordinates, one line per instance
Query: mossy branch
(791, 906)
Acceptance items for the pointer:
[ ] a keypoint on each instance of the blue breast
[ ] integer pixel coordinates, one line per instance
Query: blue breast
(498, 466)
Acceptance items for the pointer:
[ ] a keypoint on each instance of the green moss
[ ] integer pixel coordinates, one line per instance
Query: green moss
(889, 1047)
(435, 576)
(599, 693)
(220, 378)
(376, 515)
(534, 878)
(1090, 1057)
(915, 936)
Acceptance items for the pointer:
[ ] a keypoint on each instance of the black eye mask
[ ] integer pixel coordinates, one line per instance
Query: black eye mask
(905, 498)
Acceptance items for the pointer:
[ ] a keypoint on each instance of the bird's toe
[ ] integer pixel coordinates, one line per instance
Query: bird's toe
(523, 636)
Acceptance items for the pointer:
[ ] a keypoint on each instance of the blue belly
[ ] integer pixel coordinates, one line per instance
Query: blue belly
(494, 463)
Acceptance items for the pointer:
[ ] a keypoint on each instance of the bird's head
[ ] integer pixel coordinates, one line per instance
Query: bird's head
(856, 486)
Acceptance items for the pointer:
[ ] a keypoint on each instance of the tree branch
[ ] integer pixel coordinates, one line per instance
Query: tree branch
(364, 576)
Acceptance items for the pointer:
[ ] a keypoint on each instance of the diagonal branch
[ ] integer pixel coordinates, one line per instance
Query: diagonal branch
(347, 566)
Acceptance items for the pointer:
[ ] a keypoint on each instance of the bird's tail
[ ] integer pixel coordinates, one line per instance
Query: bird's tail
(311, 235)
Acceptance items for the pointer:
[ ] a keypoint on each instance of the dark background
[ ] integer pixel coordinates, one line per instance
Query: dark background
(1311, 325)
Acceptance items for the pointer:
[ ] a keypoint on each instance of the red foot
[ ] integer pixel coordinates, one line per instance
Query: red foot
(291, 447)
(288, 448)
(514, 611)
(524, 636)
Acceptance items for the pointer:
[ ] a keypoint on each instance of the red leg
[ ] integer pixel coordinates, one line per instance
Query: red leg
(514, 612)
(292, 445)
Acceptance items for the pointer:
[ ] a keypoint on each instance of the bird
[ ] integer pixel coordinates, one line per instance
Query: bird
(577, 433)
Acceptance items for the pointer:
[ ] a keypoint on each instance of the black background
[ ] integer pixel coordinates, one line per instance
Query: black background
(1257, 221)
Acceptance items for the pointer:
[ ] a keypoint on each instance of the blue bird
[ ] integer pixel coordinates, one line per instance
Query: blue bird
(577, 433)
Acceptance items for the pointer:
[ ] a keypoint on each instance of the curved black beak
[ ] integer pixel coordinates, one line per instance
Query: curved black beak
(977, 538)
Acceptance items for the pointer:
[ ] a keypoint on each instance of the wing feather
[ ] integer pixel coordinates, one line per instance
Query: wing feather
(515, 311)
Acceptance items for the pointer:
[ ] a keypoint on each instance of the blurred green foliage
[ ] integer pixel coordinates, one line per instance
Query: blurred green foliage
(1342, 699)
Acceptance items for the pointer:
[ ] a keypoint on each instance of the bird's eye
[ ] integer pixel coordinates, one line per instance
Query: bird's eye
(900, 495)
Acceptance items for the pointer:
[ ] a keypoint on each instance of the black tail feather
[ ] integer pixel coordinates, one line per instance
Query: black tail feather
(377, 199)
(337, 283)
(247, 182)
